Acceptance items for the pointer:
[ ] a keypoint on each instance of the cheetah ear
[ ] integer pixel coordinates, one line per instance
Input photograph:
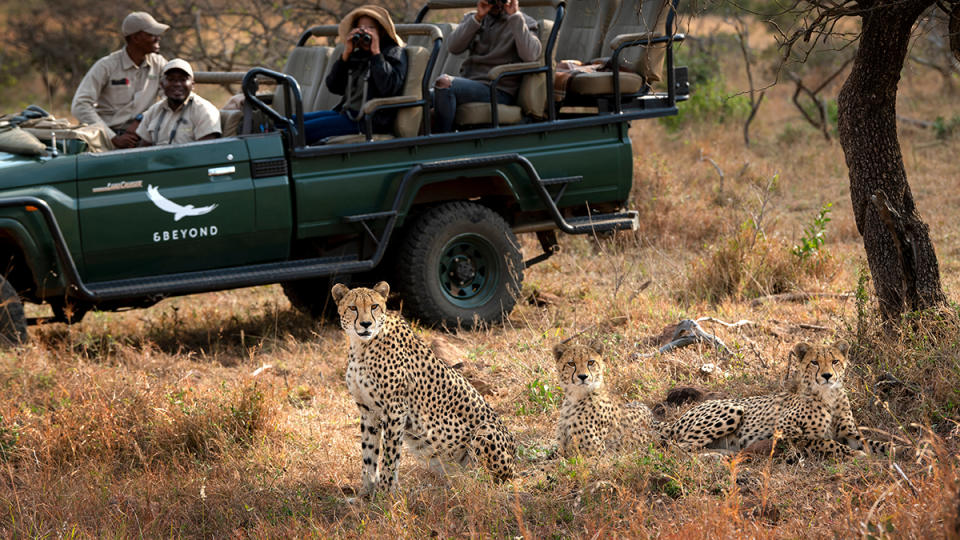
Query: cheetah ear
(559, 349)
(801, 349)
(597, 346)
(843, 347)
(383, 289)
(338, 292)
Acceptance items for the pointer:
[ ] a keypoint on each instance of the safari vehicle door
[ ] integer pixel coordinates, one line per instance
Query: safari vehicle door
(170, 209)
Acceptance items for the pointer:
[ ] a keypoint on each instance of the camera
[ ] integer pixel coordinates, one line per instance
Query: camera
(361, 38)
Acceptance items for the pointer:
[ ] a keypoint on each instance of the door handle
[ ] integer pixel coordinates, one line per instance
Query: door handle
(221, 171)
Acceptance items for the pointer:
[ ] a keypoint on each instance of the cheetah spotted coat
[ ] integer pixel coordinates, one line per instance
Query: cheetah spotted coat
(405, 392)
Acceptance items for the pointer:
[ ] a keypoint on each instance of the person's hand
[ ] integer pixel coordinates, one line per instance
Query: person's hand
(443, 81)
(511, 7)
(374, 42)
(482, 9)
(348, 45)
(129, 139)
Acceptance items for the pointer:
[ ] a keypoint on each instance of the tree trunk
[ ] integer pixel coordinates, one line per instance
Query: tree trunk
(901, 257)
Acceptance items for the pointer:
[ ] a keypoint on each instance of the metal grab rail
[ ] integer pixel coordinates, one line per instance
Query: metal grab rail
(615, 61)
(292, 92)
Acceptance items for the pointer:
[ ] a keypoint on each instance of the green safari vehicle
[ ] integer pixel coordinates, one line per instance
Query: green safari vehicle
(436, 214)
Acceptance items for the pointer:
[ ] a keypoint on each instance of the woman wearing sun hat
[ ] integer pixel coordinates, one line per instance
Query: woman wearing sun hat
(373, 65)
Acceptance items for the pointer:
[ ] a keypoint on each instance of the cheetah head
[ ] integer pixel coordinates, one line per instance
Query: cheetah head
(362, 311)
(821, 366)
(580, 367)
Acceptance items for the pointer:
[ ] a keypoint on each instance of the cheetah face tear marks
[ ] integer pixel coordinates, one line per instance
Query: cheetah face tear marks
(821, 367)
(362, 311)
(580, 368)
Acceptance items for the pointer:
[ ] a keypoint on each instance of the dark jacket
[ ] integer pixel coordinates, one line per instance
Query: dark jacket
(387, 74)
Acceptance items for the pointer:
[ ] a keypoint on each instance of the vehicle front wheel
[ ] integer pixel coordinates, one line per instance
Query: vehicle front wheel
(459, 264)
(13, 322)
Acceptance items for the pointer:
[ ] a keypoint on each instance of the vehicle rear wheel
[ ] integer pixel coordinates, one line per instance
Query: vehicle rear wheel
(13, 322)
(460, 264)
(312, 296)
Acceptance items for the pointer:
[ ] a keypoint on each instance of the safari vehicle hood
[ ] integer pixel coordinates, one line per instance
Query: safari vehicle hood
(18, 171)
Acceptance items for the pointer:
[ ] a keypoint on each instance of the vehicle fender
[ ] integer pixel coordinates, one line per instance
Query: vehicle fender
(466, 184)
(41, 262)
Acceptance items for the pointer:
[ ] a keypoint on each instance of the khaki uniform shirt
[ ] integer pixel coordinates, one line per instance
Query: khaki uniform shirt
(195, 119)
(115, 90)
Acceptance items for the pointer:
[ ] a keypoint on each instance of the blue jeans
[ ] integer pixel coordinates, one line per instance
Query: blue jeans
(322, 124)
(462, 91)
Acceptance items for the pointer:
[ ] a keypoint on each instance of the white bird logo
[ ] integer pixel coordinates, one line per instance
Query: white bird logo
(177, 210)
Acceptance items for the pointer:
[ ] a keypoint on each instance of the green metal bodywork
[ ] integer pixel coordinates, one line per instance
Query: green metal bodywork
(220, 214)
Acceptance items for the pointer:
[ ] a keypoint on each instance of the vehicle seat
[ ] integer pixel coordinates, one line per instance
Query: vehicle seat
(408, 120)
(440, 66)
(230, 120)
(531, 96)
(308, 65)
(324, 99)
(638, 65)
(583, 29)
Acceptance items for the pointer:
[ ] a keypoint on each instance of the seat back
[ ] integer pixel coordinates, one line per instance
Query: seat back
(230, 120)
(427, 42)
(308, 66)
(407, 123)
(583, 29)
(532, 96)
(639, 16)
(325, 99)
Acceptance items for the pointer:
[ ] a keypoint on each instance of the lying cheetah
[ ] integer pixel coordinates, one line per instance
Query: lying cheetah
(405, 393)
(816, 418)
(590, 422)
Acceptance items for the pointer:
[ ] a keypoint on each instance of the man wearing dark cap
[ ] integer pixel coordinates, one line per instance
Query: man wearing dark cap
(120, 86)
(182, 117)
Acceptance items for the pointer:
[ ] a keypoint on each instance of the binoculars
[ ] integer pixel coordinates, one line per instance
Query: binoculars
(361, 38)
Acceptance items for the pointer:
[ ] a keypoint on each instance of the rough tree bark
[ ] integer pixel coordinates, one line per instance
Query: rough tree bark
(900, 254)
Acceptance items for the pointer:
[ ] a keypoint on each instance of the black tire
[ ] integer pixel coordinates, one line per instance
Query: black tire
(312, 296)
(13, 322)
(459, 264)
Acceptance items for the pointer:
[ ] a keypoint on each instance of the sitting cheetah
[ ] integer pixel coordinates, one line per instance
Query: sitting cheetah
(405, 392)
(816, 418)
(590, 422)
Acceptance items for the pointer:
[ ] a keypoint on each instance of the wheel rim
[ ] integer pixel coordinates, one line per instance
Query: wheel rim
(469, 270)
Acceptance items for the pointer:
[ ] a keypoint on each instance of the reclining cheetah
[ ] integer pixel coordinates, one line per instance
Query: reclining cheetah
(590, 422)
(816, 418)
(404, 392)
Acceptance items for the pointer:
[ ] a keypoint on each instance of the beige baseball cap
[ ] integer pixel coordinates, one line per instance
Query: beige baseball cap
(142, 21)
(178, 63)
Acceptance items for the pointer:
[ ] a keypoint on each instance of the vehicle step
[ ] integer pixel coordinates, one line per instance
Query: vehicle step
(220, 279)
(560, 180)
(606, 222)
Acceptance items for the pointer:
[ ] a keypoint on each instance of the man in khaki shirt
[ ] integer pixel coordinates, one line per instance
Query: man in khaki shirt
(183, 116)
(120, 86)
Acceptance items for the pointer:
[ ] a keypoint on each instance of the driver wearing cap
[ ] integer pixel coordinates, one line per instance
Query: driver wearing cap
(182, 117)
(123, 84)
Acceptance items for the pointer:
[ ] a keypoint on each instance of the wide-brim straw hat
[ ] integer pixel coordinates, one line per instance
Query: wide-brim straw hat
(377, 13)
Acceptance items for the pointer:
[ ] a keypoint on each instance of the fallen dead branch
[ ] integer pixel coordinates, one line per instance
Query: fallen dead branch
(796, 297)
(689, 331)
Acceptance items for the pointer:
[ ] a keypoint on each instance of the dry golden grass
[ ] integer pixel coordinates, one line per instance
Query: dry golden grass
(153, 423)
